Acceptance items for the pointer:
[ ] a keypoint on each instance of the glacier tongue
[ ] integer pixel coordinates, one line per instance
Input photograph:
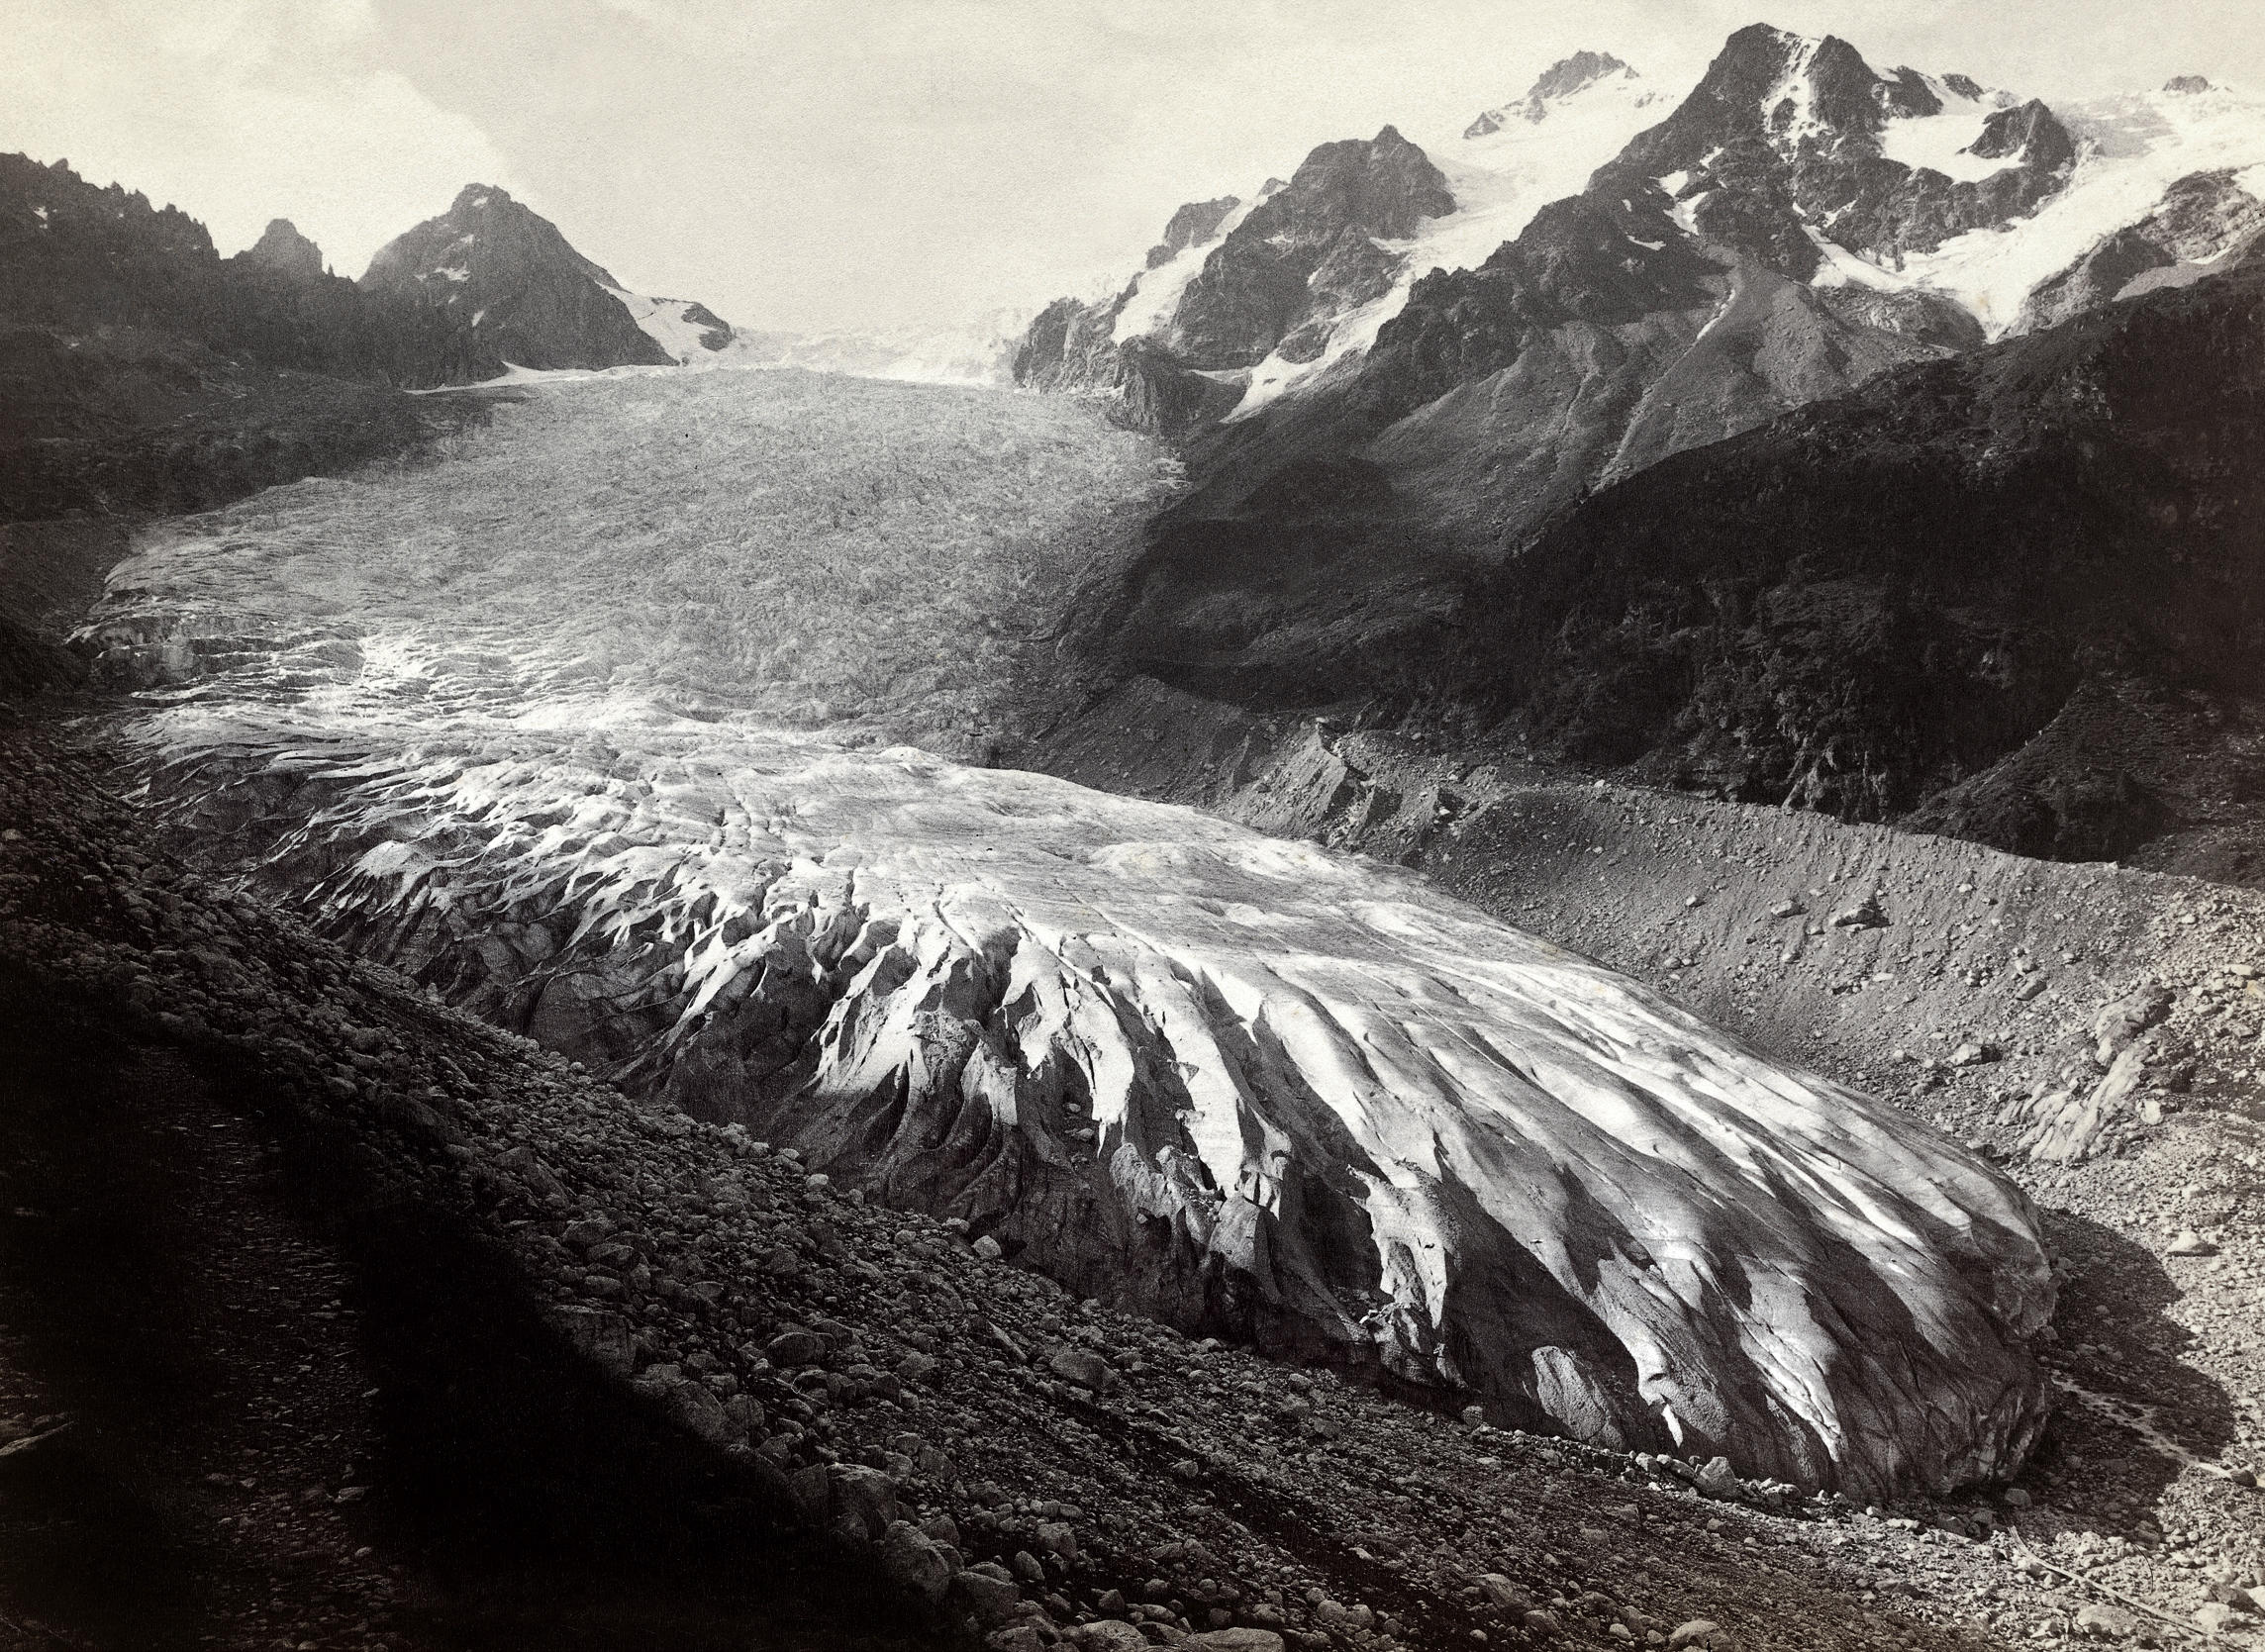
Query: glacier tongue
(1237, 1080)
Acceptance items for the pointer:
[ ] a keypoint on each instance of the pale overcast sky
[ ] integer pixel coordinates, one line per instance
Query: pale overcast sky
(810, 163)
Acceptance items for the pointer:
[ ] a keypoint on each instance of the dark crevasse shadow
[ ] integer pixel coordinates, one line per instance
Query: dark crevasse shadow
(2129, 1405)
(203, 1280)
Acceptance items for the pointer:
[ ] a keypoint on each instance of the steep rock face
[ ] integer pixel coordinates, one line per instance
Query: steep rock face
(1230, 1079)
(1068, 347)
(1269, 270)
(2203, 221)
(283, 249)
(514, 292)
(2014, 592)
(1192, 225)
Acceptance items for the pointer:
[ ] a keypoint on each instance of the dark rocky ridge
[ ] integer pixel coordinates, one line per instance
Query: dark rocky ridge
(2010, 597)
(1193, 224)
(513, 290)
(282, 249)
(83, 263)
(140, 371)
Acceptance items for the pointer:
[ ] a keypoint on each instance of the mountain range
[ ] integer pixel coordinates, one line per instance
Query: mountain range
(141, 372)
(1418, 396)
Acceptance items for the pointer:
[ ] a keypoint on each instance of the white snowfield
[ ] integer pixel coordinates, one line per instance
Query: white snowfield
(1499, 181)
(2132, 151)
(666, 323)
(1240, 1081)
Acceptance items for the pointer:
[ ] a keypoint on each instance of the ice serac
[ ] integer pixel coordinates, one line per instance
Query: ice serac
(515, 293)
(1236, 1081)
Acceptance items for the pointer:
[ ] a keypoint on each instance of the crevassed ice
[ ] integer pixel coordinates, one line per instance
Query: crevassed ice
(1236, 1080)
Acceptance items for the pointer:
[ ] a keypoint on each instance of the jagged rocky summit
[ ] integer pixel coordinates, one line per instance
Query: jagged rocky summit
(1561, 79)
(283, 249)
(1233, 1081)
(518, 294)
(1921, 205)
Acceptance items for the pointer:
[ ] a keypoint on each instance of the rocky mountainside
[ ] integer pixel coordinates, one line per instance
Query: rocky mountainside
(1800, 230)
(515, 293)
(1249, 332)
(283, 249)
(83, 263)
(1231, 285)
(140, 371)
(2009, 596)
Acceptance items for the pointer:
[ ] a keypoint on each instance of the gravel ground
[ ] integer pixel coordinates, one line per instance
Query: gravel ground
(1970, 986)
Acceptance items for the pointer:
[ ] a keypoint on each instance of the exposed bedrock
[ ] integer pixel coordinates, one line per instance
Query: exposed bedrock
(1241, 1083)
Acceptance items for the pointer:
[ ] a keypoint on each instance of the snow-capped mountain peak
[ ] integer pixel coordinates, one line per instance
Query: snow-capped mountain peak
(522, 296)
(1501, 169)
(1563, 80)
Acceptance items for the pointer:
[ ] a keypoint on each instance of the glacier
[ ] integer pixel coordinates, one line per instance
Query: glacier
(1240, 1082)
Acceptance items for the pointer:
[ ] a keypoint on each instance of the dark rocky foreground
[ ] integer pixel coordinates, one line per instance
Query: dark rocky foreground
(600, 1350)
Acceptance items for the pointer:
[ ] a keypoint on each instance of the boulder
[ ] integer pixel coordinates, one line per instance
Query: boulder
(869, 1495)
(914, 1562)
(2103, 1621)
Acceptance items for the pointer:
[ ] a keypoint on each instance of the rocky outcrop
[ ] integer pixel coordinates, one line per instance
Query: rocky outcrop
(1192, 225)
(1069, 346)
(514, 293)
(1307, 242)
(2203, 221)
(283, 249)
(1565, 78)
(1238, 1083)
